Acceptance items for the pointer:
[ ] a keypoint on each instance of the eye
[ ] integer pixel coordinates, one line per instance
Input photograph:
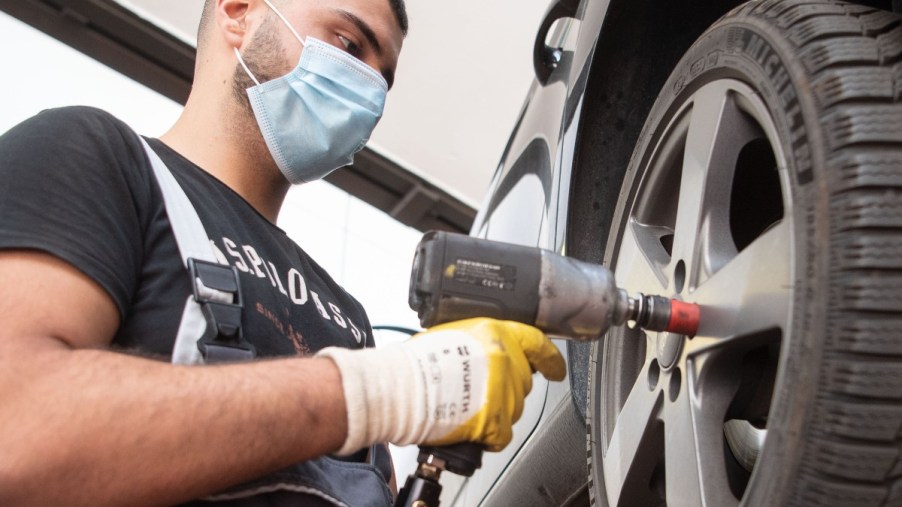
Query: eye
(349, 45)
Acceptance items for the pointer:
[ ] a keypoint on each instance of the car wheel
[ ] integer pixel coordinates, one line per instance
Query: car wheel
(766, 187)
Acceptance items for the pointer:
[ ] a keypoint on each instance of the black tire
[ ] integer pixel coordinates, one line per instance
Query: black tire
(815, 87)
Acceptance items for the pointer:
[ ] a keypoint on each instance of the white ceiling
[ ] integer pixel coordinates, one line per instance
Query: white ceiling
(464, 71)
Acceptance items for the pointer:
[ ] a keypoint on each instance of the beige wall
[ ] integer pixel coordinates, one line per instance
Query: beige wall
(462, 79)
(464, 72)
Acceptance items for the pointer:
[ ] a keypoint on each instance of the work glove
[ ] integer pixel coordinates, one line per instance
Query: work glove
(457, 382)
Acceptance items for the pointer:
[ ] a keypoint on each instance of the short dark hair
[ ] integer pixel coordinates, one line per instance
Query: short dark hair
(400, 14)
(206, 18)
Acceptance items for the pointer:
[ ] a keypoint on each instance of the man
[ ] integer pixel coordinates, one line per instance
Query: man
(92, 290)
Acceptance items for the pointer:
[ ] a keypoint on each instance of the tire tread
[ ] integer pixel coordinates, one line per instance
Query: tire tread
(873, 169)
(860, 334)
(852, 419)
(854, 445)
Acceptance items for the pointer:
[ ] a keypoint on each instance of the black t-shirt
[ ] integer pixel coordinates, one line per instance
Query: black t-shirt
(76, 183)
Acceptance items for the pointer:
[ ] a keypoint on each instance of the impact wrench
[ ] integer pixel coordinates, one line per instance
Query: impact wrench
(457, 277)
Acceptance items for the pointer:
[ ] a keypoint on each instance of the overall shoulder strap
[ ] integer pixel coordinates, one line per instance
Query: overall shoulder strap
(210, 329)
(189, 232)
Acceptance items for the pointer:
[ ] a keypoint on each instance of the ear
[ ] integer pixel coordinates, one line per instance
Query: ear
(232, 18)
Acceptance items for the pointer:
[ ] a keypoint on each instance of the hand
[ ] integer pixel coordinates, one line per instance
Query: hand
(461, 381)
(498, 359)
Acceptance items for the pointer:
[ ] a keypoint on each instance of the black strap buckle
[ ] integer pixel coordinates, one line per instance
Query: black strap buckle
(223, 340)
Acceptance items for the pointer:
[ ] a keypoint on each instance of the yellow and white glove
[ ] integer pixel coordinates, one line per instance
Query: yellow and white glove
(461, 381)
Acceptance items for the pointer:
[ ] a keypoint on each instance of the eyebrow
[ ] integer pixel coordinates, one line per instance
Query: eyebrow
(370, 35)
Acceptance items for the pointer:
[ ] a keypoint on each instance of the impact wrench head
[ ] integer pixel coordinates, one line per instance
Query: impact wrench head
(656, 313)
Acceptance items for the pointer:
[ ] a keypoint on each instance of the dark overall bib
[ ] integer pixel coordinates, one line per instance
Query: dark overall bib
(321, 482)
(210, 332)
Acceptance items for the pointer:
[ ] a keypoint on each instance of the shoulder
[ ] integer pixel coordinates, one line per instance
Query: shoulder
(77, 155)
(80, 121)
(64, 142)
(70, 131)
(75, 116)
(75, 183)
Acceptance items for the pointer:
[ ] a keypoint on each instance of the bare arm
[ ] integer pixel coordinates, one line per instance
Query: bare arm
(80, 424)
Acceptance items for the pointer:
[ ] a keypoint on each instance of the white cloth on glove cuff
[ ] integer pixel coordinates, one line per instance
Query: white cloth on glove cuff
(410, 392)
(461, 381)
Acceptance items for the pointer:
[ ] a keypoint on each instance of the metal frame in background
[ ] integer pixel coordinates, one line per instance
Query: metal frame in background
(135, 47)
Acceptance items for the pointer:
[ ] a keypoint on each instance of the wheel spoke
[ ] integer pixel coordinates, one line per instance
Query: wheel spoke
(631, 447)
(694, 449)
(641, 260)
(704, 131)
(752, 292)
(718, 130)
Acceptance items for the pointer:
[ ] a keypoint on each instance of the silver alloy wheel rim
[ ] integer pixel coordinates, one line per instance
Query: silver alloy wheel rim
(667, 421)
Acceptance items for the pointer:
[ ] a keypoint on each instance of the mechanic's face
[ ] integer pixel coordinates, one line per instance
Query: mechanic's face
(366, 29)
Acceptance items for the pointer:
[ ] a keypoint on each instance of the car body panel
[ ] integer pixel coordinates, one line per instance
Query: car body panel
(524, 207)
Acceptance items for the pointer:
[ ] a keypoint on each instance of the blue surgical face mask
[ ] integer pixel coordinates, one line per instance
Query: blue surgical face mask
(315, 118)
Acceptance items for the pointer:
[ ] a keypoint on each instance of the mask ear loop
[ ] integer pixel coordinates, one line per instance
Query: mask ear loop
(287, 24)
(290, 28)
(244, 65)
